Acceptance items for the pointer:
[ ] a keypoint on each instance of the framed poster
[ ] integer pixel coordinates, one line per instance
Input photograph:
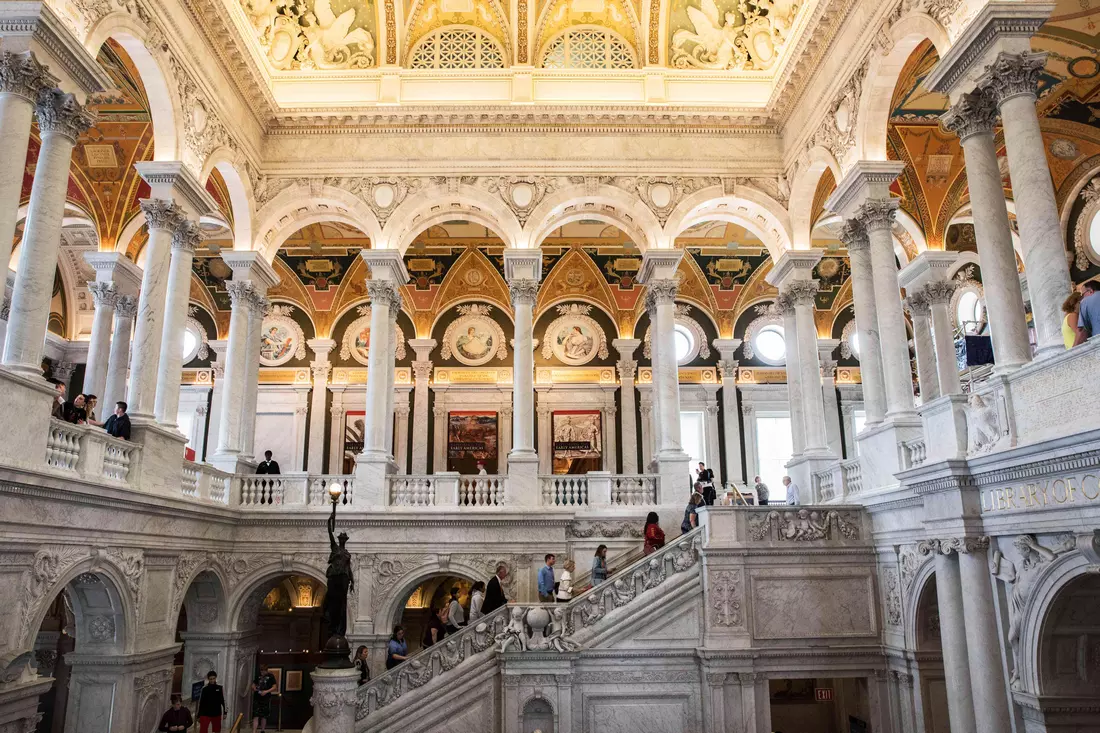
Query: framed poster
(294, 680)
(354, 421)
(471, 437)
(578, 441)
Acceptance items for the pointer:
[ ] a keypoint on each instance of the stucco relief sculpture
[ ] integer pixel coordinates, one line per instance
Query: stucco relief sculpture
(575, 338)
(281, 339)
(983, 425)
(296, 35)
(475, 338)
(356, 341)
(748, 38)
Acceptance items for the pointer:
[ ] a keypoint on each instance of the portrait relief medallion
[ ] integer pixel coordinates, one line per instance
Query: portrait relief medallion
(574, 338)
(474, 338)
(281, 339)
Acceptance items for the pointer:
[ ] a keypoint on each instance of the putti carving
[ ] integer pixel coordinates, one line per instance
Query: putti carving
(725, 598)
(804, 525)
(1034, 557)
(203, 130)
(584, 530)
(892, 586)
(750, 38)
(295, 35)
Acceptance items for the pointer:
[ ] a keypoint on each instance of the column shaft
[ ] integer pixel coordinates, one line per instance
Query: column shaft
(99, 347)
(229, 422)
(258, 308)
(833, 429)
(162, 217)
(731, 423)
(114, 389)
(524, 293)
(628, 369)
(666, 373)
(949, 597)
(863, 296)
(809, 365)
(927, 376)
(991, 711)
(401, 436)
(391, 381)
(318, 400)
(943, 335)
(384, 296)
(184, 239)
(422, 370)
(794, 378)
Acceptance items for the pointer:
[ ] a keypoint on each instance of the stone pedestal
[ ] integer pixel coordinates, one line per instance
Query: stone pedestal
(523, 480)
(334, 700)
(944, 420)
(161, 457)
(31, 399)
(879, 454)
(111, 693)
(19, 704)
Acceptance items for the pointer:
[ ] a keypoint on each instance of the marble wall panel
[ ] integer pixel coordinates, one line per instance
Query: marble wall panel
(628, 714)
(804, 606)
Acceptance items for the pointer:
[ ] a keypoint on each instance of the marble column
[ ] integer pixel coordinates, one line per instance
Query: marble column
(713, 436)
(61, 120)
(752, 457)
(661, 305)
(802, 294)
(949, 598)
(118, 364)
(610, 452)
(731, 422)
(184, 240)
(337, 418)
(987, 681)
(645, 410)
(391, 381)
(921, 313)
(401, 434)
(258, 308)
(439, 447)
(384, 297)
(301, 415)
(104, 297)
(524, 292)
(163, 217)
(422, 374)
(217, 395)
(22, 79)
(321, 369)
(939, 294)
(628, 371)
(505, 445)
(785, 308)
(973, 118)
(1013, 80)
(833, 439)
(877, 216)
(855, 238)
(231, 418)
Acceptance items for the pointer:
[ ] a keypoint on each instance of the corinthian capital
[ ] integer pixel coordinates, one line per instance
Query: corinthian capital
(187, 236)
(162, 214)
(61, 114)
(941, 291)
(240, 293)
(259, 306)
(917, 304)
(854, 235)
(660, 292)
(524, 291)
(22, 75)
(878, 214)
(801, 292)
(1013, 74)
(948, 545)
(104, 295)
(384, 293)
(974, 114)
(126, 306)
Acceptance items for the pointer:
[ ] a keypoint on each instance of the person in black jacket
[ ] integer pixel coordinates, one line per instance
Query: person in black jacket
(267, 466)
(494, 592)
(177, 718)
(705, 476)
(118, 424)
(212, 705)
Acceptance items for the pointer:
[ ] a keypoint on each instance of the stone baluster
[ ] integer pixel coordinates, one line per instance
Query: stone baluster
(422, 374)
(628, 369)
(321, 370)
(22, 79)
(855, 238)
(119, 362)
(972, 118)
(921, 313)
(61, 120)
(104, 298)
(184, 240)
(1013, 81)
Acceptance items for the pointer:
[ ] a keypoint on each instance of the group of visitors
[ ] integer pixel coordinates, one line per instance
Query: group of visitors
(81, 411)
(212, 709)
(1082, 309)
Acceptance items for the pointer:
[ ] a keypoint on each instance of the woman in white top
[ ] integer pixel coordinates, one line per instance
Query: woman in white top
(565, 585)
(477, 597)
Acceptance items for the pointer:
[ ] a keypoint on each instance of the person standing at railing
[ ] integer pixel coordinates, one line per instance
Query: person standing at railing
(477, 599)
(654, 535)
(565, 585)
(761, 492)
(436, 629)
(599, 566)
(691, 513)
(58, 412)
(494, 594)
(362, 663)
(792, 491)
(268, 466)
(546, 580)
(118, 425)
(1088, 313)
(705, 477)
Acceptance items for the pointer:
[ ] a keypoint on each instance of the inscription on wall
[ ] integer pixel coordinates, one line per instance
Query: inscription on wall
(1043, 494)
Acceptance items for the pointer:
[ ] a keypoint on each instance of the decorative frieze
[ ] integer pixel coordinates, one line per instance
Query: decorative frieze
(804, 525)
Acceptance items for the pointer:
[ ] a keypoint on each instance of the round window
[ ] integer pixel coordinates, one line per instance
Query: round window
(853, 344)
(191, 343)
(770, 344)
(685, 344)
(969, 313)
(1094, 234)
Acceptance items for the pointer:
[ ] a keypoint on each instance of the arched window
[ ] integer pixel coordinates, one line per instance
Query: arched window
(970, 312)
(588, 47)
(457, 47)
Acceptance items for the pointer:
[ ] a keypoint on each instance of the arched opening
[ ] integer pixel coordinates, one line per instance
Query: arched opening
(426, 600)
(538, 716)
(1069, 644)
(933, 683)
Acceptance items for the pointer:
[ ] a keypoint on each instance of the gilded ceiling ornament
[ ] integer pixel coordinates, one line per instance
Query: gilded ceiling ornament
(356, 340)
(575, 338)
(308, 34)
(749, 36)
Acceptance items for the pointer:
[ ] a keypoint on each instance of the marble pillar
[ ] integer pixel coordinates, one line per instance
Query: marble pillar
(713, 437)
(645, 410)
(163, 217)
(61, 120)
(731, 422)
(785, 308)
(184, 240)
(259, 307)
(752, 448)
(939, 295)
(422, 374)
(384, 297)
(401, 433)
(321, 369)
(229, 422)
(973, 118)
(949, 598)
(217, 368)
(628, 370)
(104, 297)
(524, 292)
(877, 217)
(802, 293)
(337, 418)
(118, 364)
(22, 79)
(546, 434)
(855, 238)
(920, 311)
(671, 460)
(118, 692)
(439, 452)
(987, 680)
(1013, 80)
(391, 378)
(833, 431)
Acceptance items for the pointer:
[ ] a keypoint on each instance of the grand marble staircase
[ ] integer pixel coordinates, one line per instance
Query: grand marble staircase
(436, 689)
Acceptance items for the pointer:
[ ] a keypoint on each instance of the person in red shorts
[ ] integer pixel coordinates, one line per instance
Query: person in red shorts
(211, 705)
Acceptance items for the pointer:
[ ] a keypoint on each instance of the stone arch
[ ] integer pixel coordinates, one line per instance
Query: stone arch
(917, 600)
(748, 207)
(604, 203)
(882, 77)
(241, 199)
(250, 585)
(164, 104)
(205, 601)
(439, 204)
(390, 607)
(301, 205)
(910, 226)
(803, 187)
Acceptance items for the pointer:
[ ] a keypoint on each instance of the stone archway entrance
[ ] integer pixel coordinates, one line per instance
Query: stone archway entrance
(432, 593)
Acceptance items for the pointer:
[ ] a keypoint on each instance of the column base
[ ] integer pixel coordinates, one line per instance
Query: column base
(944, 420)
(523, 478)
(334, 700)
(880, 452)
(30, 399)
(371, 472)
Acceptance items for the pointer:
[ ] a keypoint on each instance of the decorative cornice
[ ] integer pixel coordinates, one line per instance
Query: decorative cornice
(63, 48)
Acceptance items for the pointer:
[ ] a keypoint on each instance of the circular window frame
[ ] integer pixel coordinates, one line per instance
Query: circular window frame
(202, 345)
(776, 328)
(979, 301)
(748, 343)
(699, 346)
(849, 341)
(1086, 249)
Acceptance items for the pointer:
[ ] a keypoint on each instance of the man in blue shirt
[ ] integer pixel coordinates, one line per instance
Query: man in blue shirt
(546, 580)
(1088, 316)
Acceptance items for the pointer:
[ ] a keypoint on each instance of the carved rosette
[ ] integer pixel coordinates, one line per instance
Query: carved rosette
(801, 292)
(974, 114)
(187, 236)
(918, 304)
(384, 293)
(660, 292)
(1013, 75)
(23, 76)
(523, 291)
(59, 113)
(878, 214)
(854, 235)
(162, 214)
(104, 295)
(126, 306)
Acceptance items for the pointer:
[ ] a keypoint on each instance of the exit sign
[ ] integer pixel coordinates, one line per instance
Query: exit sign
(823, 694)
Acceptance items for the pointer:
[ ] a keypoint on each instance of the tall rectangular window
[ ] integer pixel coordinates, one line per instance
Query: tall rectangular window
(773, 449)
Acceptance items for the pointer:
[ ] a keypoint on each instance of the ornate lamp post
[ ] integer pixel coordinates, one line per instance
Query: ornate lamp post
(340, 581)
